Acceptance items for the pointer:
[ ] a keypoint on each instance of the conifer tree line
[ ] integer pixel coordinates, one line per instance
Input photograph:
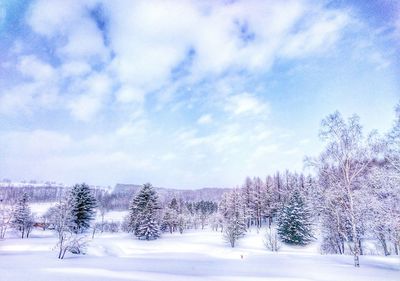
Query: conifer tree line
(281, 201)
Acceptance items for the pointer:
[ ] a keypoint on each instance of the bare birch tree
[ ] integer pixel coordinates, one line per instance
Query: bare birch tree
(345, 160)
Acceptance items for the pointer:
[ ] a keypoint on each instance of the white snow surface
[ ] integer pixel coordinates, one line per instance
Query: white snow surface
(195, 255)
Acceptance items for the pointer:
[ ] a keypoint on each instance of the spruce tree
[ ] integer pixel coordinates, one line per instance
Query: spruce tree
(143, 217)
(294, 222)
(83, 205)
(22, 217)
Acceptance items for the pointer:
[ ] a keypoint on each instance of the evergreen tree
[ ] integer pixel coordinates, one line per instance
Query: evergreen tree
(170, 219)
(143, 214)
(22, 218)
(234, 223)
(83, 205)
(294, 222)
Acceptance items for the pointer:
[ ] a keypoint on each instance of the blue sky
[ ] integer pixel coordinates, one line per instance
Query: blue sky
(186, 93)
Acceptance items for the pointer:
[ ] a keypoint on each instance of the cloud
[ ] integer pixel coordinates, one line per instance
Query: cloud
(95, 88)
(128, 94)
(38, 89)
(44, 154)
(75, 68)
(32, 67)
(187, 84)
(18, 99)
(319, 33)
(36, 143)
(246, 104)
(85, 41)
(205, 119)
(50, 18)
(147, 46)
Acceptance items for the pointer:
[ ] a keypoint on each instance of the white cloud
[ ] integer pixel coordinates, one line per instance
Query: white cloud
(246, 104)
(18, 99)
(39, 91)
(95, 88)
(322, 30)
(137, 128)
(151, 39)
(50, 17)
(37, 143)
(69, 22)
(85, 41)
(75, 68)
(32, 67)
(264, 150)
(128, 94)
(159, 51)
(44, 155)
(205, 119)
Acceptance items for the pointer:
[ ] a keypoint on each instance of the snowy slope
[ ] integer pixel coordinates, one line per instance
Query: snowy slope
(201, 255)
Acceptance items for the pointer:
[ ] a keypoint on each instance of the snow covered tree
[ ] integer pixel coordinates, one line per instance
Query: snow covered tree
(22, 218)
(392, 153)
(103, 205)
(391, 178)
(258, 202)
(217, 221)
(384, 208)
(234, 222)
(333, 229)
(170, 219)
(271, 240)
(83, 205)
(62, 219)
(294, 222)
(182, 222)
(203, 211)
(6, 216)
(247, 194)
(341, 166)
(269, 200)
(143, 216)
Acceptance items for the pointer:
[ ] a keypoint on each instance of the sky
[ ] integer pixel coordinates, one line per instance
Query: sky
(186, 94)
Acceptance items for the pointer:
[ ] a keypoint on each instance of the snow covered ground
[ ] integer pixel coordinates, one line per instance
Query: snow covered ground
(200, 255)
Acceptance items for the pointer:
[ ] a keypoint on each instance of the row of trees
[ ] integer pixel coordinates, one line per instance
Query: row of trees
(239, 211)
(74, 214)
(71, 216)
(147, 218)
(354, 195)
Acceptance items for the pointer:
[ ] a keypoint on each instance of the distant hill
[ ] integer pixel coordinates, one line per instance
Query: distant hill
(122, 193)
(208, 193)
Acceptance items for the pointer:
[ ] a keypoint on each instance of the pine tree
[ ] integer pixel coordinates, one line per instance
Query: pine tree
(234, 223)
(294, 222)
(83, 205)
(22, 218)
(143, 214)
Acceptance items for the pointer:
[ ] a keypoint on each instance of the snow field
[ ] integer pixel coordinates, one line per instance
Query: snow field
(195, 255)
